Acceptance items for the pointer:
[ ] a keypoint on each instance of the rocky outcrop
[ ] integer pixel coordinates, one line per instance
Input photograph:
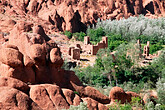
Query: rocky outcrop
(48, 97)
(118, 94)
(77, 15)
(33, 59)
(11, 98)
(71, 97)
(94, 105)
(14, 83)
(150, 96)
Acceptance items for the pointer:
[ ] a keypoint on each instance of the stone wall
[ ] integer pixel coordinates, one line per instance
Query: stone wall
(93, 49)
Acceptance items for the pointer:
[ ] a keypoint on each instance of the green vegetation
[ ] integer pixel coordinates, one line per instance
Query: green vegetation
(125, 70)
(121, 107)
(79, 36)
(96, 34)
(68, 34)
(155, 47)
(82, 106)
(143, 28)
(136, 103)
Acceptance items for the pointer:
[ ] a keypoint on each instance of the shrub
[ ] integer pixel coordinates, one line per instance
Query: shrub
(79, 36)
(82, 106)
(68, 34)
(114, 69)
(150, 106)
(133, 27)
(161, 91)
(114, 40)
(121, 107)
(155, 47)
(91, 76)
(136, 102)
(96, 34)
(134, 87)
(158, 65)
(159, 107)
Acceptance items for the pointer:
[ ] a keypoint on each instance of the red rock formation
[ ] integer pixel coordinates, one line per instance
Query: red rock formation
(71, 97)
(15, 99)
(94, 105)
(151, 95)
(118, 94)
(37, 60)
(14, 83)
(48, 97)
(76, 15)
(131, 94)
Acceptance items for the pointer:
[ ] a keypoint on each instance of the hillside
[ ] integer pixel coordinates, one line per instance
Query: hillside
(74, 15)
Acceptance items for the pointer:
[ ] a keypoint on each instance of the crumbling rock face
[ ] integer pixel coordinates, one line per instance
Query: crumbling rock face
(77, 15)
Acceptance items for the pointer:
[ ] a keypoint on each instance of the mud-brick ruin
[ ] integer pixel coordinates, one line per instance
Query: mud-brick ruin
(87, 47)
(93, 49)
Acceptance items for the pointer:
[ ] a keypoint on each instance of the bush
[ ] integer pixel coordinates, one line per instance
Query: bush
(114, 40)
(133, 27)
(155, 47)
(96, 34)
(68, 34)
(161, 91)
(79, 36)
(82, 106)
(158, 65)
(134, 87)
(91, 76)
(121, 107)
(114, 69)
(150, 106)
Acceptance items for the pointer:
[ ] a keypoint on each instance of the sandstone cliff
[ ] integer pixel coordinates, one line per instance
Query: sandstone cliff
(76, 15)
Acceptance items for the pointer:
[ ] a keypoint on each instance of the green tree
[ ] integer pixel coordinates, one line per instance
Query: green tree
(96, 34)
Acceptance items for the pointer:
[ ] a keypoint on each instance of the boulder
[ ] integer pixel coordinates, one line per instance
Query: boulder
(131, 94)
(28, 62)
(11, 57)
(40, 95)
(39, 30)
(11, 46)
(10, 97)
(48, 97)
(37, 53)
(23, 26)
(96, 95)
(93, 104)
(37, 39)
(57, 97)
(55, 57)
(117, 93)
(71, 97)
(151, 95)
(23, 74)
(14, 83)
(77, 100)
